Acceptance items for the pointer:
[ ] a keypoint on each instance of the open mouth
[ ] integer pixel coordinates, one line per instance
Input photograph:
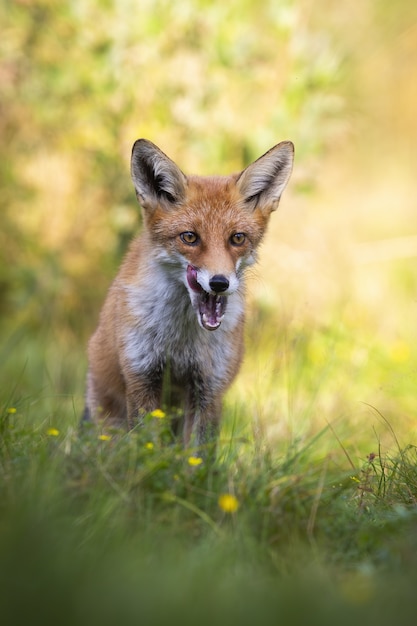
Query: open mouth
(211, 307)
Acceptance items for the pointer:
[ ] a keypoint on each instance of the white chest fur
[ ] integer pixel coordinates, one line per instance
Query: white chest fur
(164, 328)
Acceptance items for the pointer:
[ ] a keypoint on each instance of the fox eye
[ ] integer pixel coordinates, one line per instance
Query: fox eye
(238, 239)
(189, 237)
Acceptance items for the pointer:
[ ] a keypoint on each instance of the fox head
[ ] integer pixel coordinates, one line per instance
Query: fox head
(208, 228)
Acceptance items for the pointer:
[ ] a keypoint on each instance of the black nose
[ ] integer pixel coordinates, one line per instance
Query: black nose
(218, 283)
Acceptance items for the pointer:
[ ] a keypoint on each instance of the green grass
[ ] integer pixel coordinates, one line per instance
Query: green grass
(123, 528)
(316, 448)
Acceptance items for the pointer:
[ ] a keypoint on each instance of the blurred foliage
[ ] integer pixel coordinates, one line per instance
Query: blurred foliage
(216, 84)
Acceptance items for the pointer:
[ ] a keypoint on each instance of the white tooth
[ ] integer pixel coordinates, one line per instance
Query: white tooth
(204, 318)
(220, 319)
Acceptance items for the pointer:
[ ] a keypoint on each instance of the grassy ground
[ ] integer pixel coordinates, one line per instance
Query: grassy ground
(129, 527)
(308, 514)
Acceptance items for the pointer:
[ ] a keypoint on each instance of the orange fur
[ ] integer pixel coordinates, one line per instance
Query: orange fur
(176, 308)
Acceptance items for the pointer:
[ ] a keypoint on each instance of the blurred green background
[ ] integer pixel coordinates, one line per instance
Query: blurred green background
(215, 84)
(319, 431)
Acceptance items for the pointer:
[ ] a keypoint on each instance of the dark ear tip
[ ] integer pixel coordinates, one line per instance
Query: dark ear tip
(288, 145)
(140, 143)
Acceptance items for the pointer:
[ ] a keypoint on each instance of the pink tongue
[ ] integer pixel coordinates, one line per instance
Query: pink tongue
(192, 279)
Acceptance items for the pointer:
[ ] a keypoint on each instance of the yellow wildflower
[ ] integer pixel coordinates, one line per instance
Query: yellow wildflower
(228, 503)
(194, 461)
(104, 437)
(52, 432)
(149, 445)
(158, 413)
(12, 410)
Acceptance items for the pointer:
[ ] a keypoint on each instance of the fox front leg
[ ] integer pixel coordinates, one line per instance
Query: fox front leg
(142, 397)
(201, 419)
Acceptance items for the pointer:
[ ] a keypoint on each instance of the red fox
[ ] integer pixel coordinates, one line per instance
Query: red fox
(175, 312)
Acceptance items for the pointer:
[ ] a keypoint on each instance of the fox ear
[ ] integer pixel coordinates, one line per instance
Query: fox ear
(262, 183)
(156, 178)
